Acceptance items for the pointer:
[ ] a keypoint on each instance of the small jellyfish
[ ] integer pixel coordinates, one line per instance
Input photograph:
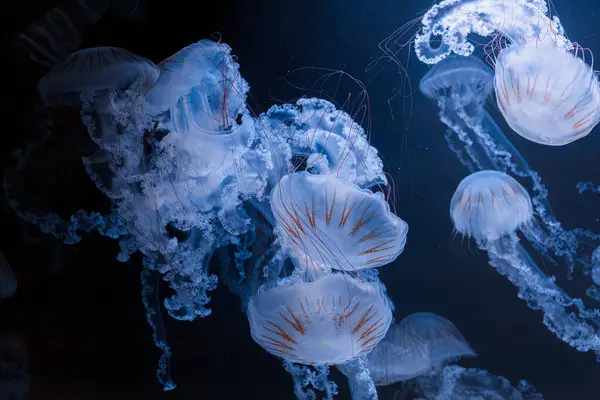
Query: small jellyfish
(8, 280)
(328, 222)
(490, 204)
(415, 345)
(98, 69)
(491, 207)
(329, 321)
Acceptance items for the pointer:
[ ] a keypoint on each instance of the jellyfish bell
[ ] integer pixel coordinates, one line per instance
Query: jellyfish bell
(329, 321)
(98, 69)
(547, 94)
(490, 204)
(415, 345)
(200, 88)
(390, 362)
(444, 340)
(465, 76)
(330, 222)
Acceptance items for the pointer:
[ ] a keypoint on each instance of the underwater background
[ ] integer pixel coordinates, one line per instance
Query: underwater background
(83, 321)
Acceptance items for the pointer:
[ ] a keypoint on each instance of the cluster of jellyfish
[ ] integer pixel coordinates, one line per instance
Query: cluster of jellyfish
(547, 93)
(192, 172)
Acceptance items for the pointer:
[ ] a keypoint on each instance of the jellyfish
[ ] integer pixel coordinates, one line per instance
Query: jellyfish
(460, 86)
(490, 207)
(8, 280)
(420, 342)
(545, 90)
(190, 173)
(177, 196)
(329, 139)
(329, 223)
(97, 70)
(329, 321)
(199, 89)
(547, 94)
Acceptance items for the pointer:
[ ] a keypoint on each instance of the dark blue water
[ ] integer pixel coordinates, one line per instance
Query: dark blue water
(85, 326)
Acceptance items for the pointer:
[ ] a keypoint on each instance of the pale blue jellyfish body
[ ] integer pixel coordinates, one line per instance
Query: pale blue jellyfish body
(330, 223)
(99, 69)
(490, 207)
(200, 88)
(544, 89)
(420, 342)
(490, 204)
(331, 141)
(329, 321)
(546, 94)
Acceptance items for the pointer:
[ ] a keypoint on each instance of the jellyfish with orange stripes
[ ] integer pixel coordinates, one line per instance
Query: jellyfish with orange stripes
(420, 342)
(491, 207)
(327, 223)
(546, 86)
(332, 320)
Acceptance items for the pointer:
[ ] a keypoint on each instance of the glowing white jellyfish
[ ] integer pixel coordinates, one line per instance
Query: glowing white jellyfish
(490, 204)
(97, 70)
(415, 345)
(490, 207)
(328, 222)
(544, 88)
(329, 321)
(547, 94)
(200, 89)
